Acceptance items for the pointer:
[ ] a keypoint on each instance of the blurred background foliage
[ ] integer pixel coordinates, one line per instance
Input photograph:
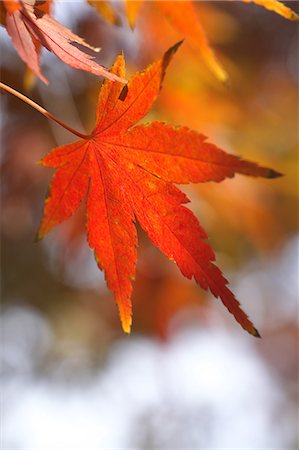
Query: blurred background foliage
(188, 376)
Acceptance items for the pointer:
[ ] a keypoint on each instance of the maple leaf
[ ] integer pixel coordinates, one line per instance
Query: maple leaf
(106, 10)
(127, 172)
(29, 27)
(132, 10)
(276, 6)
(29, 76)
(185, 19)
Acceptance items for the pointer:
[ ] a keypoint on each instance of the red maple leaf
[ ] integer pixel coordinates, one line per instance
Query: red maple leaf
(30, 27)
(127, 172)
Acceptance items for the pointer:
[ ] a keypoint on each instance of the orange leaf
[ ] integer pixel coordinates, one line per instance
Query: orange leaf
(185, 20)
(126, 172)
(12, 6)
(133, 7)
(30, 24)
(276, 6)
(43, 5)
(106, 10)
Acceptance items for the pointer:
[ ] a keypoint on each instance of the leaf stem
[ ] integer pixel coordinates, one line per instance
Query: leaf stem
(42, 110)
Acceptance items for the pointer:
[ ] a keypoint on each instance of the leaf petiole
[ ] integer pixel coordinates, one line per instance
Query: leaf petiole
(42, 110)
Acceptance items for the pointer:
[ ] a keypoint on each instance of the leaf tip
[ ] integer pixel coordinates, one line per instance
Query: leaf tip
(125, 312)
(225, 79)
(255, 333)
(168, 56)
(273, 174)
(175, 47)
(118, 69)
(126, 326)
(293, 16)
(170, 52)
(38, 237)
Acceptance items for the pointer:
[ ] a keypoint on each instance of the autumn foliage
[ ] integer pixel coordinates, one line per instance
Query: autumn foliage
(125, 171)
(30, 27)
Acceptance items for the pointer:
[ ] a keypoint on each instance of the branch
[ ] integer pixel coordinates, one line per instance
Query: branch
(42, 110)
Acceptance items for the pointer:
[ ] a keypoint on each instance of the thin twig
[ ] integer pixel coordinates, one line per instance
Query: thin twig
(42, 110)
